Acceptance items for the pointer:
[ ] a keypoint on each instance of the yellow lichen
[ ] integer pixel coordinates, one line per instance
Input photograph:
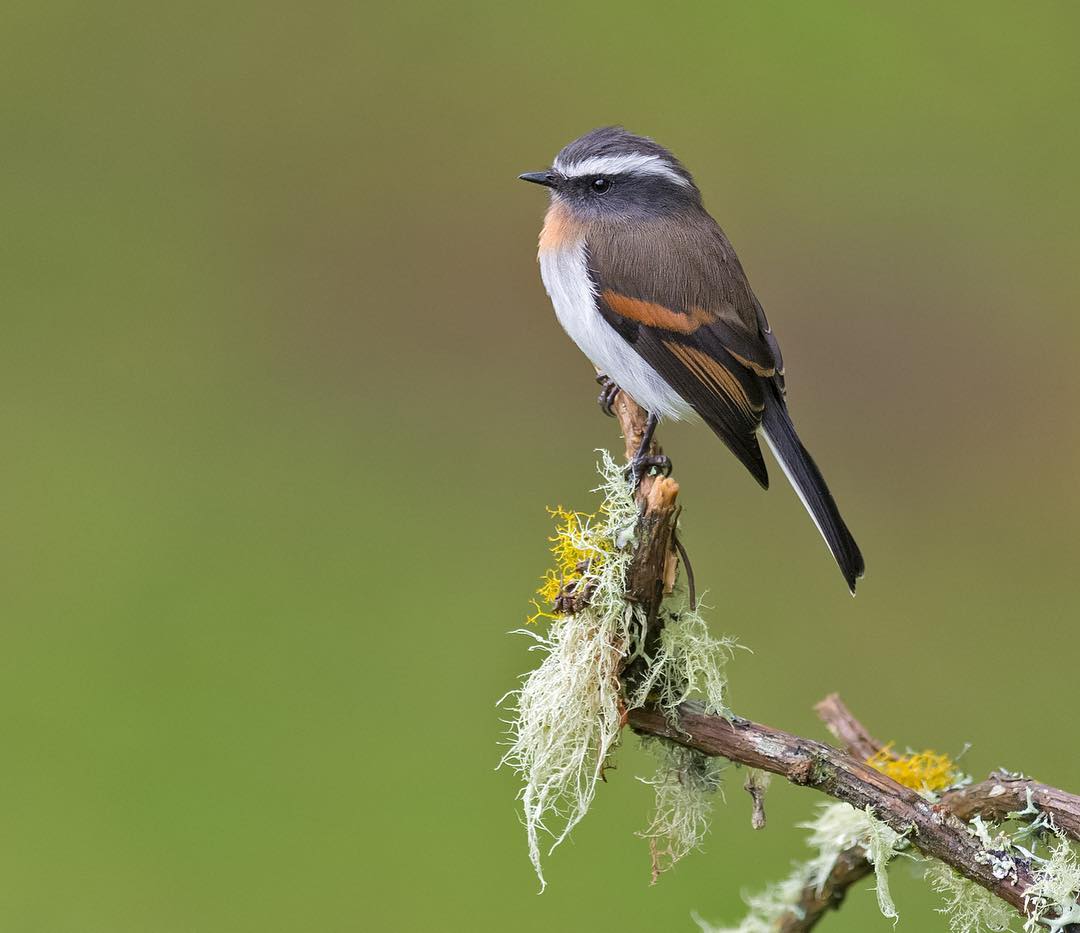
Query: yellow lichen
(540, 613)
(922, 771)
(578, 548)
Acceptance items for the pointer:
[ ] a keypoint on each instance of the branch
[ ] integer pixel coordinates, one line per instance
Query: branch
(851, 733)
(930, 829)
(1000, 795)
(851, 867)
(1003, 793)
(654, 565)
(993, 799)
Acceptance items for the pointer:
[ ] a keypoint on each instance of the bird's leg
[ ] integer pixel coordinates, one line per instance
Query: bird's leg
(643, 461)
(647, 435)
(608, 391)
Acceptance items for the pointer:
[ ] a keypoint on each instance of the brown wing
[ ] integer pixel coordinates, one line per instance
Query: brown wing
(679, 297)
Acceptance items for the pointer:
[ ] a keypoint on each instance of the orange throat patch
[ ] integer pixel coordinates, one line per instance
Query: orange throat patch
(560, 229)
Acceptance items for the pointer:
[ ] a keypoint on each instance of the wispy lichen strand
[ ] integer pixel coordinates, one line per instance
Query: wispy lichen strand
(1052, 898)
(685, 783)
(968, 907)
(690, 663)
(836, 828)
(765, 908)
(839, 826)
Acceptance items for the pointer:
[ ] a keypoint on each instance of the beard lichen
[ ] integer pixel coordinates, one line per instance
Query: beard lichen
(689, 663)
(568, 712)
(1052, 898)
(684, 784)
(837, 827)
(766, 908)
(969, 907)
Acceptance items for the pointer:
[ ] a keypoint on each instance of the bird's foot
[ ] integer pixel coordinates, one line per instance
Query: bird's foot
(643, 464)
(608, 391)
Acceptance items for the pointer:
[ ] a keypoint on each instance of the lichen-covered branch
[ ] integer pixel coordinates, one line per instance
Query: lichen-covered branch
(932, 830)
(1002, 794)
(996, 798)
(616, 653)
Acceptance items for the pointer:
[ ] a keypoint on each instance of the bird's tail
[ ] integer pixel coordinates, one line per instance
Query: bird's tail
(808, 482)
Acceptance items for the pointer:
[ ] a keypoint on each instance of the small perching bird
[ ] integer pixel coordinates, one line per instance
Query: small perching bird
(649, 287)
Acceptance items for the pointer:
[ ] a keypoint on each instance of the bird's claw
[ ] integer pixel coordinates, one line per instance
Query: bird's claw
(641, 466)
(608, 391)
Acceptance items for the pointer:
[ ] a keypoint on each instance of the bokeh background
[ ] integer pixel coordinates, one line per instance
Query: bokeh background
(283, 401)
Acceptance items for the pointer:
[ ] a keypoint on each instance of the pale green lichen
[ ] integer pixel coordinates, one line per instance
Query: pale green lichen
(1052, 898)
(567, 713)
(685, 783)
(766, 908)
(969, 907)
(1034, 824)
(689, 663)
(839, 826)
(996, 849)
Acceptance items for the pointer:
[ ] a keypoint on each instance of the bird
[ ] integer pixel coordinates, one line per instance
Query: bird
(646, 283)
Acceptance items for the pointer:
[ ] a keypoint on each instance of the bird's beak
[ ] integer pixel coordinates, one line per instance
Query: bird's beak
(547, 179)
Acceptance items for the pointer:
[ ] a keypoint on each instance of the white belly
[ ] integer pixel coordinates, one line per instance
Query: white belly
(567, 281)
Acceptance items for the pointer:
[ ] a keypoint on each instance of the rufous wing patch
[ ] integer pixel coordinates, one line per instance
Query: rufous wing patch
(653, 315)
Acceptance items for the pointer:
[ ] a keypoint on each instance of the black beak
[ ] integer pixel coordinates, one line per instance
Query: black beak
(547, 179)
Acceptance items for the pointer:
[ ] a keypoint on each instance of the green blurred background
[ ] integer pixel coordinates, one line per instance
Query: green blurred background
(283, 401)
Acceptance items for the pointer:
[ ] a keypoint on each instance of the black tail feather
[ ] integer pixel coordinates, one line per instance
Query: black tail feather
(808, 482)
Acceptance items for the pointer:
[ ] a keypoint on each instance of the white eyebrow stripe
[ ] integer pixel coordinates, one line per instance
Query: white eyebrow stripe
(639, 162)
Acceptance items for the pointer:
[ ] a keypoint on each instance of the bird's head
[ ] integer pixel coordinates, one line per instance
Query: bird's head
(611, 173)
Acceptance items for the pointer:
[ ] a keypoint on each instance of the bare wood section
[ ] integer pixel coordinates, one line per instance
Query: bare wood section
(845, 728)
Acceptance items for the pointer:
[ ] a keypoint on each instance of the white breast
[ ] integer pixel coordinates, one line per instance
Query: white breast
(567, 281)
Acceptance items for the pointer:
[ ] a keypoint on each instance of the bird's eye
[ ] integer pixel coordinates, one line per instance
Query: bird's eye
(600, 184)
